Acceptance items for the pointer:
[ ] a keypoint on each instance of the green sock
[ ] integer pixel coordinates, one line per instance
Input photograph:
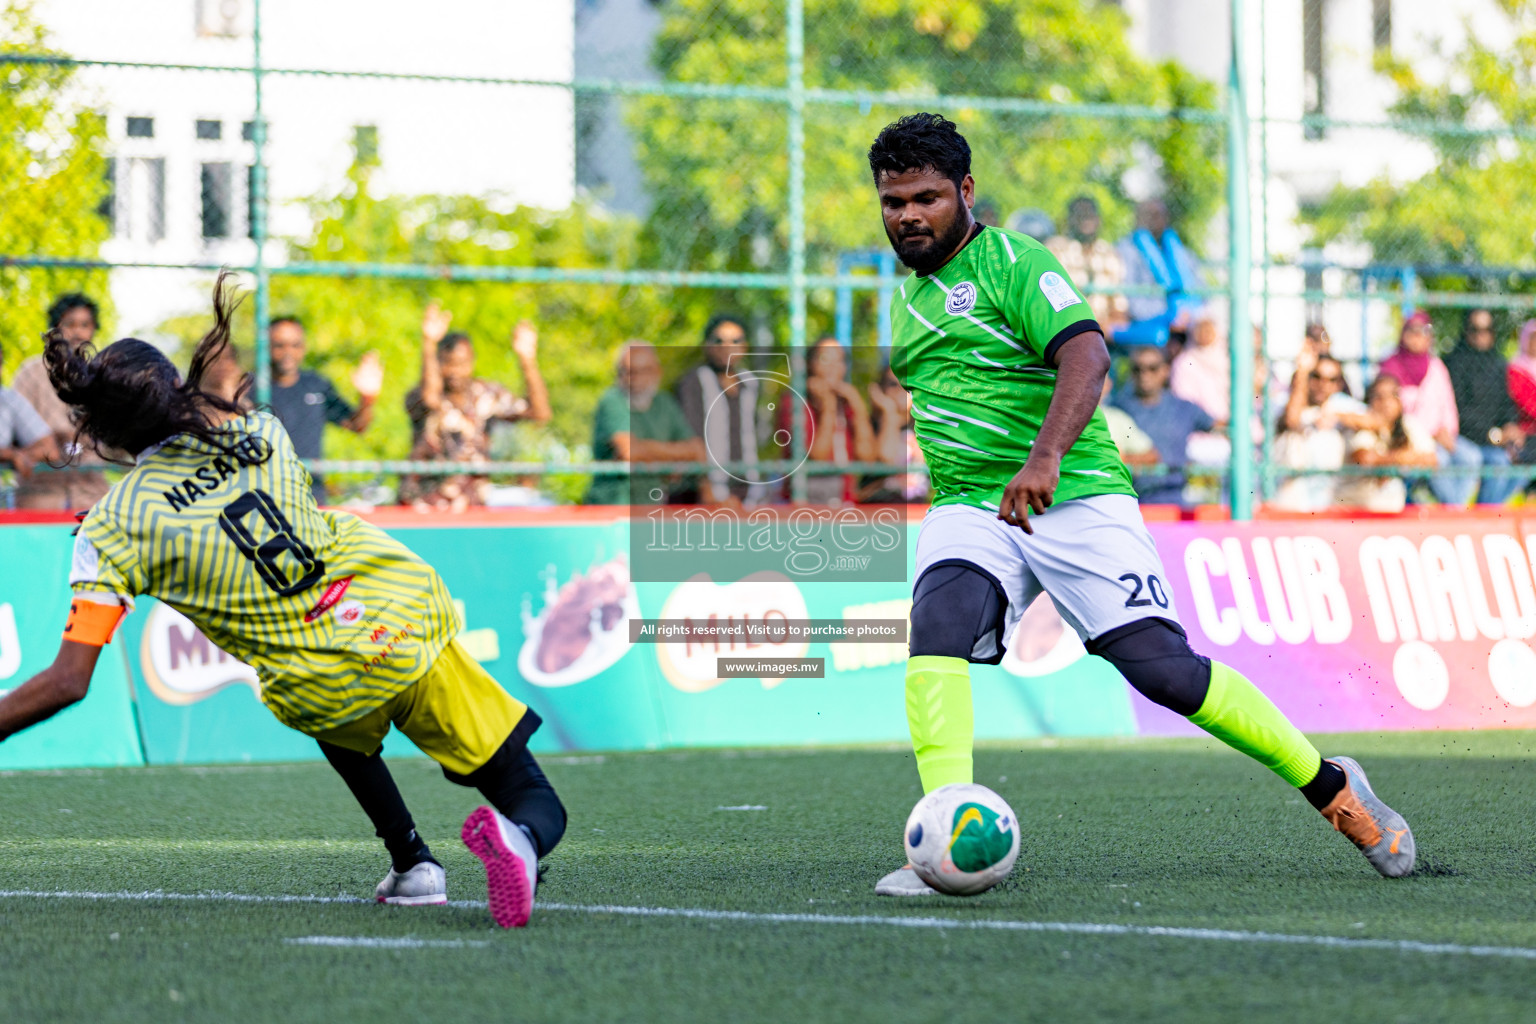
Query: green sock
(939, 715)
(1238, 714)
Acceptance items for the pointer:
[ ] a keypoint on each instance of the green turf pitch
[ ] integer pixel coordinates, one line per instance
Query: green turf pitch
(1144, 833)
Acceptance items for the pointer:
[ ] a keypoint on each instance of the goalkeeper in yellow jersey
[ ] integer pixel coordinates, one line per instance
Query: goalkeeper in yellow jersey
(349, 631)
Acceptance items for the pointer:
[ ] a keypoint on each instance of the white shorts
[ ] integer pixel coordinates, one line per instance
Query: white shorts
(1093, 556)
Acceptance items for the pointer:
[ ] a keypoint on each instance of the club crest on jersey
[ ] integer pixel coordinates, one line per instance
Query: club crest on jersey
(962, 299)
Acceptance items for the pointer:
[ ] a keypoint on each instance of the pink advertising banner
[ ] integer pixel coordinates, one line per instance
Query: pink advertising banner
(1364, 625)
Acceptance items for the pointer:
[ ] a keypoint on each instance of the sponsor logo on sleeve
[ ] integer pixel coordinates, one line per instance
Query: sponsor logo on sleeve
(962, 299)
(1057, 291)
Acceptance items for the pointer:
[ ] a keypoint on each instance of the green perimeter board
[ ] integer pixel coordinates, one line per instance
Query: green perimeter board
(34, 605)
(507, 577)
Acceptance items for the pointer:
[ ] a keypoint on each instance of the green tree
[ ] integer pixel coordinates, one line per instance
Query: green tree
(580, 325)
(717, 168)
(1473, 207)
(53, 182)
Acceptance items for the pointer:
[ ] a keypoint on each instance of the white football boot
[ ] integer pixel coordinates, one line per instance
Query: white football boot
(425, 885)
(903, 882)
(511, 864)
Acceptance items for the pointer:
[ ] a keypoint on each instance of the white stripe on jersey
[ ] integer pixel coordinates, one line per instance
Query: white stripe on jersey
(957, 444)
(968, 419)
(1011, 257)
(925, 323)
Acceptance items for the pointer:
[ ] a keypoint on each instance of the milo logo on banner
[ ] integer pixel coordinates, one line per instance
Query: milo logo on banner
(181, 665)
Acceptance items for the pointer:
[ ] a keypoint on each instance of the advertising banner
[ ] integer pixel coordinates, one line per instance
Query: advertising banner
(34, 604)
(1380, 624)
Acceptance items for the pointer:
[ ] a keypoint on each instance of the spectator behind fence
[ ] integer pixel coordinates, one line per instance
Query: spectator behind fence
(76, 318)
(1428, 397)
(1489, 417)
(304, 401)
(25, 438)
(896, 442)
(1090, 260)
(836, 424)
(719, 399)
(1394, 439)
(452, 410)
(1522, 387)
(1310, 434)
(637, 422)
(1154, 255)
(1135, 446)
(1167, 419)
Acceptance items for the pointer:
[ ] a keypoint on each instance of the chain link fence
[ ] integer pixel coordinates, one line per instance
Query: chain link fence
(628, 169)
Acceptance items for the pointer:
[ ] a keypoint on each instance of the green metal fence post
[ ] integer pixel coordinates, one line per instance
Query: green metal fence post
(1267, 420)
(1240, 266)
(263, 366)
(795, 39)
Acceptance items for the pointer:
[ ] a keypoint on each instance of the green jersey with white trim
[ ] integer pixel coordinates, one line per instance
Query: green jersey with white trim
(974, 344)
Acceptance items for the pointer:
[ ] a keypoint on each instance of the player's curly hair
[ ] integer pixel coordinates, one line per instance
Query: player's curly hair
(918, 142)
(129, 396)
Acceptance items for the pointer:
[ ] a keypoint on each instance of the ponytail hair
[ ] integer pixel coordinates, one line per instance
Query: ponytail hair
(129, 396)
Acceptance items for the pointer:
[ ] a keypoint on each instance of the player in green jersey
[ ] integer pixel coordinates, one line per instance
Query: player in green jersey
(1005, 365)
(349, 631)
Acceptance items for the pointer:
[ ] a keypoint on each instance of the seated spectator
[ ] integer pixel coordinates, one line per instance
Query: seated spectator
(304, 401)
(1310, 434)
(1090, 260)
(837, 426)
(1488, 415)
(720, 403)
(1522, 387)
(1395, 439)
(25, 439)
(1154, 255)
(1135, 447)
(896, 441)
(1167, 419)
(75, 317)
(637, 422)
(1428, 397)
(452, 410)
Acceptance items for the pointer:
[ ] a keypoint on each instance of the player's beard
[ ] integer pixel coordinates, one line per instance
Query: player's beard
(926, 258)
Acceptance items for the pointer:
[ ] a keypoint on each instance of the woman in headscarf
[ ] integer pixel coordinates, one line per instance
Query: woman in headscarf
(1522, 387)
(1428, 397)
(1489, 417)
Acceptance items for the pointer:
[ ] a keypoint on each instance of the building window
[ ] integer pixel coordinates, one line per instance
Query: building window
(107, 208)
(139, 201)
(1381, 25)
(248, 131)
(250, 201)
(210, 131)
(141, 127)
(1314, 73)
(365, 144)
(218, 182)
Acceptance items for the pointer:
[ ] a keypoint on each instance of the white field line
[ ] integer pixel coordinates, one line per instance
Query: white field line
(365, 942)
(862, 920)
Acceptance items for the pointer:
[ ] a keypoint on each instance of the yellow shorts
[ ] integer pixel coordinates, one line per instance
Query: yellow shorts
(457, 714)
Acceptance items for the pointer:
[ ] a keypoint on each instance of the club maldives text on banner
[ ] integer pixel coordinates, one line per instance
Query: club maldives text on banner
(1383, 624)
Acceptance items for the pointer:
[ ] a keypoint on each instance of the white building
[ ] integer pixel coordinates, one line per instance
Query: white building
(1317, 57)
(181, 140)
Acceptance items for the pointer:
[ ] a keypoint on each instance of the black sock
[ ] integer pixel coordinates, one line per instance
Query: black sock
(1325, 785)
(514, 784)
(368, 778)
(405, 852)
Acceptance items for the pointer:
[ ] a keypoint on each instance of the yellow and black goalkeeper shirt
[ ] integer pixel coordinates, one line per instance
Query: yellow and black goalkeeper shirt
(336, 616)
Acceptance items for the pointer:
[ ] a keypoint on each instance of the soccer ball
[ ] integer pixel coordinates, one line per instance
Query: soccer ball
(962, 839)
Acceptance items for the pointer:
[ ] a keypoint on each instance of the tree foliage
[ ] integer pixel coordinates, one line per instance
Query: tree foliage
(717, 169)
(52, 183)
(1474, 205)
